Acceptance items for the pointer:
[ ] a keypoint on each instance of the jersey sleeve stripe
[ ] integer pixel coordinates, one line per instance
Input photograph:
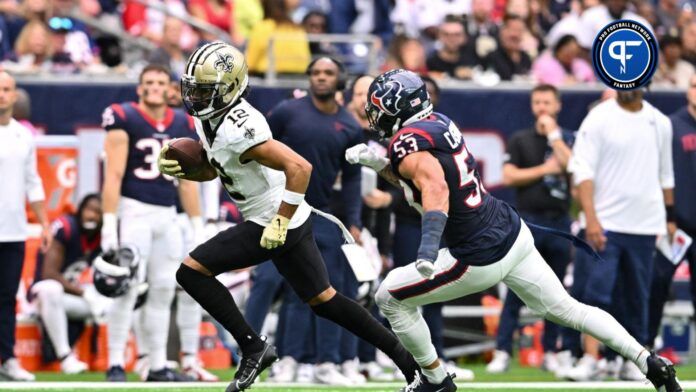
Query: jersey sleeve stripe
(118, 109)
(425, 286)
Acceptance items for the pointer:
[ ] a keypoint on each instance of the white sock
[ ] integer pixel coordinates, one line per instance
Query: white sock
(188, 319)
(414, 334)
(139, 332)
(642, 361)
(157, 310)
(119, 321)
(435, 376)
(52, 311)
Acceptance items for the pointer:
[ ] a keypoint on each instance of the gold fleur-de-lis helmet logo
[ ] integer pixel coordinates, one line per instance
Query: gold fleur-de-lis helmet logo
(224, 63)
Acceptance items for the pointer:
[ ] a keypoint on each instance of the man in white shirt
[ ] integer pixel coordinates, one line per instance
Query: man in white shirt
(20, 180)
(595, 18)
(622, 166)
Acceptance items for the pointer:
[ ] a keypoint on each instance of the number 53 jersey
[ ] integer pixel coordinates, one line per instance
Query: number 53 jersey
(256, 189)
(480, 228)
(142, 180)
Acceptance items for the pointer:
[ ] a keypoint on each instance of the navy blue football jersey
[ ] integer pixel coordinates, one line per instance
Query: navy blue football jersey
(480, 228)
(78, 250)
(142, 180)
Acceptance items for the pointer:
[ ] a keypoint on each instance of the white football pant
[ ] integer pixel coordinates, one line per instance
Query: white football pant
(522, 269)
(153, 230)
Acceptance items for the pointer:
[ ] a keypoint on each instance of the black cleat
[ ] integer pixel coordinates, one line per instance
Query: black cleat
(116, 374)
(251, 366)
(167, 375)
(421, 384)
(662, 375)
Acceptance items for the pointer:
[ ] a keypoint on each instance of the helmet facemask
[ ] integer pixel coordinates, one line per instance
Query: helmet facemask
(202, 99)
(380, 122)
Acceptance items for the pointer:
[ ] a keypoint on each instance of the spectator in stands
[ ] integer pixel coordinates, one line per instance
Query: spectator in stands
(668, 16)
(571, 23)
(684, 159)
(362, 17)
(509, 60)
(247, 13)
(595, 18)
(480, 29)
(408, 53)
(688, 36)
(532, 38)
(290, 46)
(672, 71)
(218, 13)
(71, 48)
(315, 22)
(536, 163)
(62, 290)
(170, 53)
(22, 182)
(563, 65)
(33, 49)
(148, 22)
(416, 18)
(455, 57)
(622, 167)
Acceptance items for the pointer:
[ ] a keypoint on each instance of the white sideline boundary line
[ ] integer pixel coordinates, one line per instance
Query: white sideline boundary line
(618, 385)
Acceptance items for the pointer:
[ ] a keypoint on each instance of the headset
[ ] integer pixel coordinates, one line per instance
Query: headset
(342, 72)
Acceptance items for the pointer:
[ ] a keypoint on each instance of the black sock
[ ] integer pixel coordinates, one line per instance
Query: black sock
(214, 297)
(353, 317)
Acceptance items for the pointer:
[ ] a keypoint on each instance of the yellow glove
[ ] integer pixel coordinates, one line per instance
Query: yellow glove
(166, 166)
(275, 233)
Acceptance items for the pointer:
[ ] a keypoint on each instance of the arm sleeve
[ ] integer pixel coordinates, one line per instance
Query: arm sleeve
(34, 186)
(586, 150)
(351, 180)
(666, 162)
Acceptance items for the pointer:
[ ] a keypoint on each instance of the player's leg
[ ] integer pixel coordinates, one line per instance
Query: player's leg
(142, 365)
(135, 230)
(304, 270)
(188, 319)
(53, 305)
(535, 283)
(404, 290)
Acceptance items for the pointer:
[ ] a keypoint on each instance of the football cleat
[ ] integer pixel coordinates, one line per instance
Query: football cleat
(116, 374)
(251, 366)
(167, 375)
(421, 384)
(662, 375)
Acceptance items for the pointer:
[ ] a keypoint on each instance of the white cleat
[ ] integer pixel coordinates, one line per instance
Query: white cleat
(72, 365)
(462, 374)
(374, 372)
(194, 369)
(327, 373)
(631, 372)
(550, 362)
(305, 373)
(11, 370)
(585, 370)
(283, 371)
(351, 371)
(500, 362)
(565, 363)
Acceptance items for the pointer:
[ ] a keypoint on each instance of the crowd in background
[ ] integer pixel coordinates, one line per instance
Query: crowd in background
(481, 40)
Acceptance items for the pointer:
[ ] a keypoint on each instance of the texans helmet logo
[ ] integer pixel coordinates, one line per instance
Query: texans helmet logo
(386, 102)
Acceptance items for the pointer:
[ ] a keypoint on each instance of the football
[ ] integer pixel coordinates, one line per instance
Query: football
(191, 157)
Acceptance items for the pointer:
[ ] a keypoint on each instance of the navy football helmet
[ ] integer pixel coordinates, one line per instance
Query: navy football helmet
(115, 271)
(396, 98)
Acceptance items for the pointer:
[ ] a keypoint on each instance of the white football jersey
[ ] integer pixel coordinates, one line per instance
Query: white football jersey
(256, 189)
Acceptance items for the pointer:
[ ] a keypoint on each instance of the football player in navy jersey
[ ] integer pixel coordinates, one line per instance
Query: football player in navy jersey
(486, 240)
(61, 289)
(144, 200)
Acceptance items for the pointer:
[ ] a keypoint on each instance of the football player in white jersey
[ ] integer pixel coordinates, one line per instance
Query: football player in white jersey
(267, 180)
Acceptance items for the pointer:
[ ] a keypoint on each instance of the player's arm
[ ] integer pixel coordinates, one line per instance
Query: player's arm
(427, 174)
(364, 155)
(278, 156)
(53, 261)
(116, 149)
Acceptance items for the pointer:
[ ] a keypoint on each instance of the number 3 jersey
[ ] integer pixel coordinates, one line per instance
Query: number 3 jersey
(256, 189)
(142, 180)
(480, 229)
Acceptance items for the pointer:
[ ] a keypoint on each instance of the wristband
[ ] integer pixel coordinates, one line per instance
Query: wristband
(670, 214)
(433, 225)
(109, 220)
(293, 198)
(553, 136)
